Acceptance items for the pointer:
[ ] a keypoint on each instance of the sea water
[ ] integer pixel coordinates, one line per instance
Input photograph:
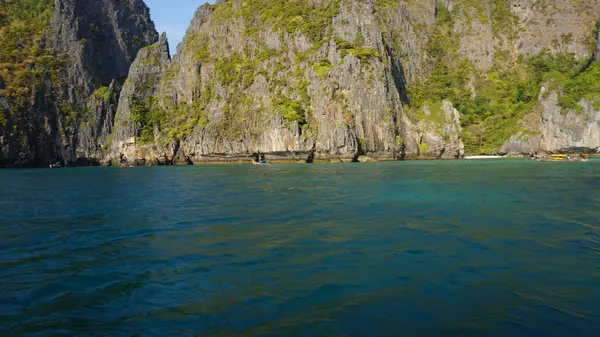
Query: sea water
(441, 248)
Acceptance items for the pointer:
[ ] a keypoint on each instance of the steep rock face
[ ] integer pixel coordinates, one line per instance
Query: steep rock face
(89, 31)
(561, 26)
(94, 132)
(406, 27)
(474, 25)
(329, 96)
(527, 140)
(571, 129)
(335, 80)
(137, 101)
(102, 37)
(62, 86)
(558, 129)
(440, 138)
(597, 54)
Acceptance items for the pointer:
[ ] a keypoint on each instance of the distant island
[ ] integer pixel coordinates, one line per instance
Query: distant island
(298, 81)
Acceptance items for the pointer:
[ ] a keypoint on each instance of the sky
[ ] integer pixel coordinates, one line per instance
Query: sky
(173, 17)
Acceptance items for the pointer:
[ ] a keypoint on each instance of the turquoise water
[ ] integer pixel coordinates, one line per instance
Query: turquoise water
(445, 248)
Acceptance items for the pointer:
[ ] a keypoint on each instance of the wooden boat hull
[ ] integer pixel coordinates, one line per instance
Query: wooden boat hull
(561, 158)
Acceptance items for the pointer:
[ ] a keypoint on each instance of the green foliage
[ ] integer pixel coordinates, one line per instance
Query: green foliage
(490, 114)
(147, 114)
(322, 68)
(170, 74)
(227, 68)
(585, 85)
(153, 58)
(491, 104)
(26, 58)
(290, 110)
(175, 122)
(236, 70)
(574, 80)
(449, 74)
(342, 44)
(312, 20)
(502, 16)
(443, 16)
(386, 4)
(199, 46)
(400, 141)
(551, 68)
(363, 54)
(360, 39)
(101, 94)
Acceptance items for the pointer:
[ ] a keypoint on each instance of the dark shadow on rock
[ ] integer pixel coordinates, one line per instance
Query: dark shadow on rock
(399, 76)
(441, 153)
(577, 150)
(81, 161)
(311, 157)
(258, 156)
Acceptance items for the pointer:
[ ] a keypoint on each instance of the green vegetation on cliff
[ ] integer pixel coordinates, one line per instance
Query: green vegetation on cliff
(26, 58)
(283, 58)
(237, 68)
(339, 76)
(29, 69)
(492, 103)
(572, 79)
(584, 85)
(312, 20)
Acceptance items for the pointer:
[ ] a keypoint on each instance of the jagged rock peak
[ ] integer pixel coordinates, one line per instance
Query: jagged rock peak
(163, 44)
(88, 30)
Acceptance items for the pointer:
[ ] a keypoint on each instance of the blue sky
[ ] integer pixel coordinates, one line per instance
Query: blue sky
(173, 17)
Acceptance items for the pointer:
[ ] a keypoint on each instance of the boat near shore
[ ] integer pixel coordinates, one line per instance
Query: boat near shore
(561, 158)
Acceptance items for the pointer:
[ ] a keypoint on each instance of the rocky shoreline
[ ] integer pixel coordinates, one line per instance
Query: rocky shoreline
(274, 158)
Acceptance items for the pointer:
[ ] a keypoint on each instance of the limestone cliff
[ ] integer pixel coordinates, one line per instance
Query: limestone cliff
(557, 129)
(328, 91)
(308, 80)
(241, 95)
(339, 79)
(62, 65)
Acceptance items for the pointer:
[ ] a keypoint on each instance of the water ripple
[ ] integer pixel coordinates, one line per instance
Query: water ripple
(416, 248)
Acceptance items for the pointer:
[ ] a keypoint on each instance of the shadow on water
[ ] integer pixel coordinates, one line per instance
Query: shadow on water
(491, 248)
